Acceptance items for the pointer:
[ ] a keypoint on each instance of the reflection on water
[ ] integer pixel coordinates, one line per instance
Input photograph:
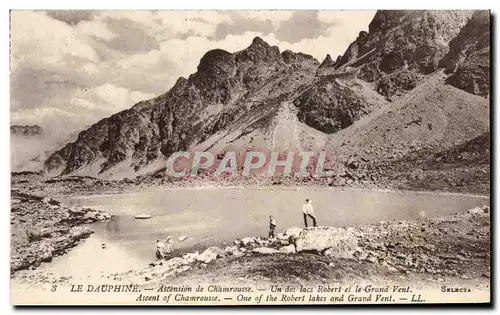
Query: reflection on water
(214, 216)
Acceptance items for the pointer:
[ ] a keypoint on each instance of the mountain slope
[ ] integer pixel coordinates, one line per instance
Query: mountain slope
(404, 89)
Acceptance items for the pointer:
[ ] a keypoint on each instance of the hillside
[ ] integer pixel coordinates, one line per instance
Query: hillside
(414, 86)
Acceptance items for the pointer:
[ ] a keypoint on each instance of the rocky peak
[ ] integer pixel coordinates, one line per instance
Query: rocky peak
(386, 19)
(257, 41)
(216, 62)
(327, 62)
(259, 51)
(291, 57)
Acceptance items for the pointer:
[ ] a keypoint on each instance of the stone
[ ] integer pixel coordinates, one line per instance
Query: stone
(90, 215)
(259, 241)
(293, 231)
(191, 257)
(237, 253)
(281, 237)
(76, 211)
(247, 241)
(210, 254)
(475, 210)
(287, 249)
(319, 239)
(174, 263)
(265, 250)
(333, 252)
(143, 216)
(371, 259)
(230, 249)
(50, 201)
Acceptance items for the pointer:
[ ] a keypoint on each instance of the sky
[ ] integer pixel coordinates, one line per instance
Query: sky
(69, 69)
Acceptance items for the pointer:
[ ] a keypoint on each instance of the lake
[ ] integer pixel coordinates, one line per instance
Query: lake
(220, 215)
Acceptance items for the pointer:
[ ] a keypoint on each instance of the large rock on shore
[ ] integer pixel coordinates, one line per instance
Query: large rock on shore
(210, 254)
(320, 239)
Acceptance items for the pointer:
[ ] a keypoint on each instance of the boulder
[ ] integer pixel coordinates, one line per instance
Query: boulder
(339, 252)
(265, 250)
(259, 241)
(76, 211)
(475, 210)
(287, 249)
(46, 251)
(486, 209)
(231, 249)
(90, 215)
(50, 201)
(143, 216)
(102, 216)
(293, 231)
(80, 232)
(174, 263)
(320, 239)
(237, 253)
(191, 257)
(282, 237)
(210, 254)
(247, 241)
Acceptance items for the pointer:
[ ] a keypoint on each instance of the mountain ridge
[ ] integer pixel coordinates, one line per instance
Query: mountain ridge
(250, 98)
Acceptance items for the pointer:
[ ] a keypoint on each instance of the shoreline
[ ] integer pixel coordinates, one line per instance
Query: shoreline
(278, 187)
(42, 228)
(393, 251)
(376, 248)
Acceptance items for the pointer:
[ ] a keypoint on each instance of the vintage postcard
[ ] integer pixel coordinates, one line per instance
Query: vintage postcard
(250, 157)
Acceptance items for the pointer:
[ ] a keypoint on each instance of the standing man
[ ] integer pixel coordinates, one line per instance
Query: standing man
(272, 226)
(308, 210)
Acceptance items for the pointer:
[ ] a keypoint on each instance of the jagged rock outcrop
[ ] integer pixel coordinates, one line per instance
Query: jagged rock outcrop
(327, 62)
(330, 107)
(469, 57)
(401, 45)
(299, 58)
(26, 130)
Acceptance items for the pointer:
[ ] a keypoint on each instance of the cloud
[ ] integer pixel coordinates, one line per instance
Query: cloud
(71, 17)
(70, 69)
(120, 97)
(240, 24)
(310, 27)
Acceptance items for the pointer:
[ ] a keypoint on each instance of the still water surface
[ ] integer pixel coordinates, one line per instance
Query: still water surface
(214, 216)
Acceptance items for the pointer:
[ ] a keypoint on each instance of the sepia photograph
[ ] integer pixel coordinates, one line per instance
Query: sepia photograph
(250, 157)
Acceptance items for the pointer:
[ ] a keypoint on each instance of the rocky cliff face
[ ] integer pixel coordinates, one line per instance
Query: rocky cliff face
(259, 97)
(469, 56)
(401, 46)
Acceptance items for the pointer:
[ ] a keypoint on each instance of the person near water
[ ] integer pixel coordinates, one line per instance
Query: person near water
(168, 247)
(308, 211)
(272, 226)
(164, 248)
(160, 245)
